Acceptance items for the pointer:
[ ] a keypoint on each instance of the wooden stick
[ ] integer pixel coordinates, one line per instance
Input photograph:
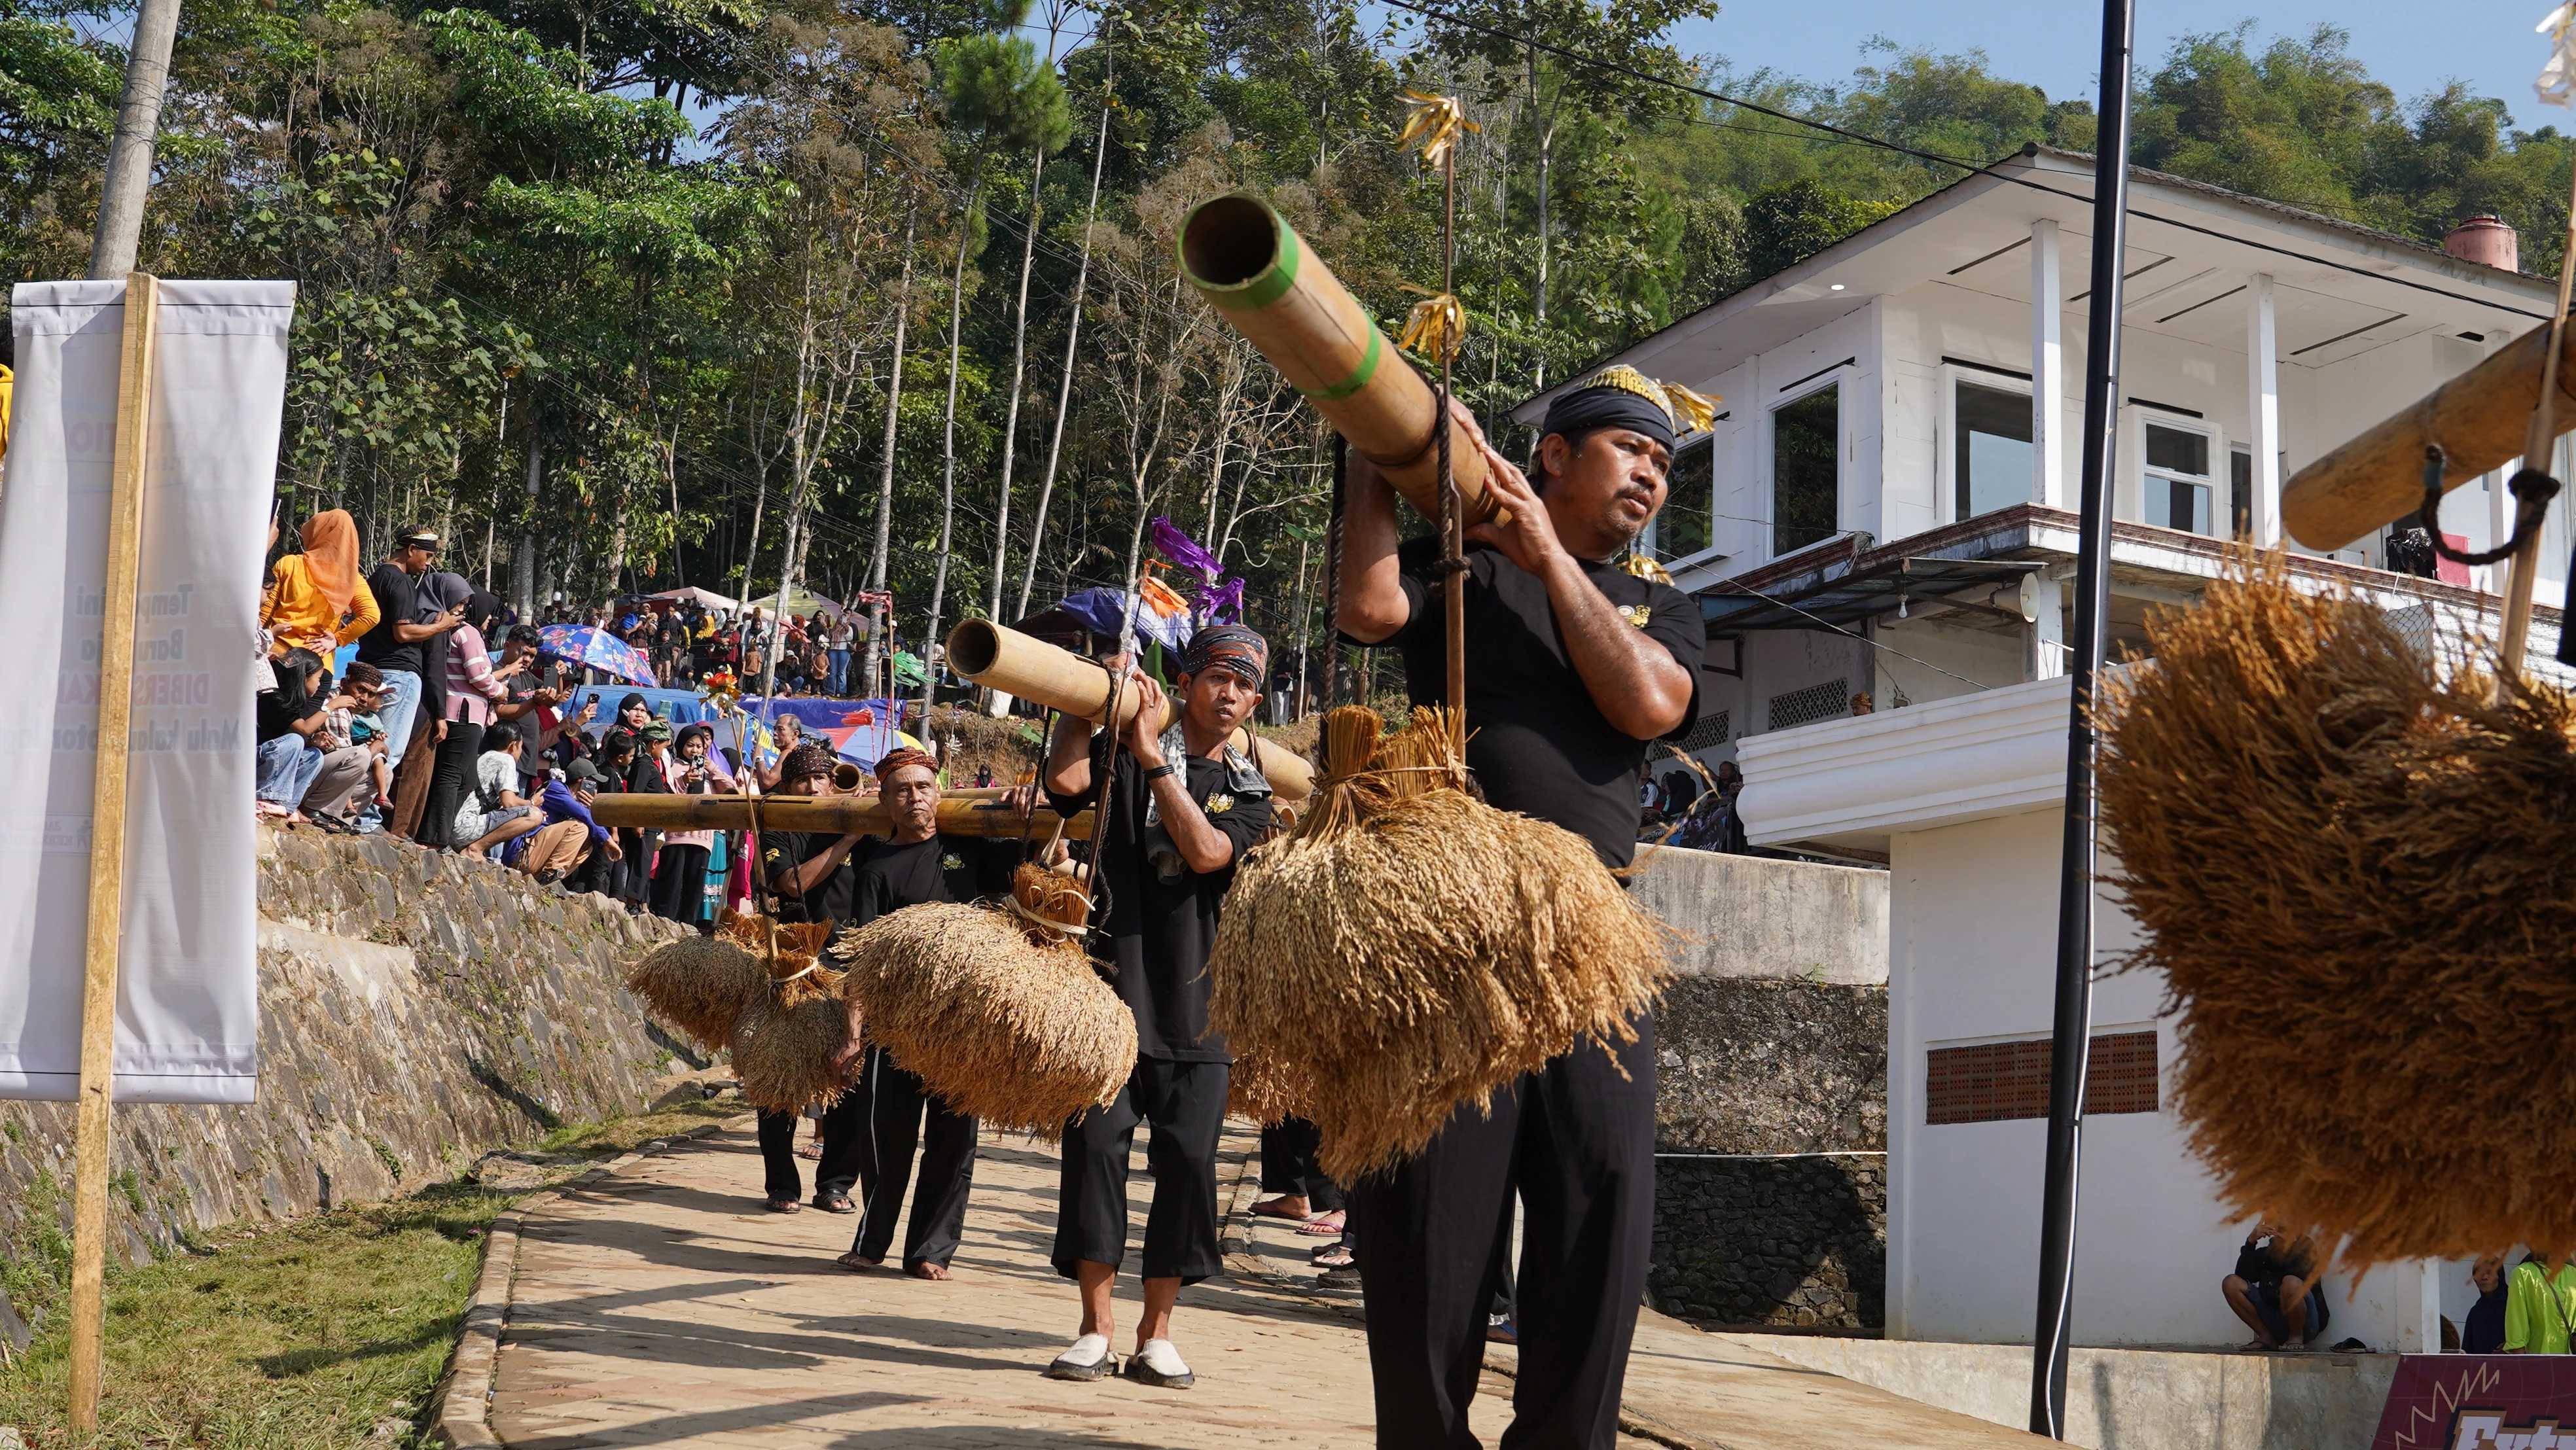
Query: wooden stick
(2537, 444)
(107, 849)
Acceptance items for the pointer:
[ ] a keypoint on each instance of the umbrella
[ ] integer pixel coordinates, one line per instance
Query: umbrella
(597, 649)
(707, 597)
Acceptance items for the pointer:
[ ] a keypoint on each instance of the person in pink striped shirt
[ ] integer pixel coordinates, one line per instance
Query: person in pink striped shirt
(472, 685)
(680, 871)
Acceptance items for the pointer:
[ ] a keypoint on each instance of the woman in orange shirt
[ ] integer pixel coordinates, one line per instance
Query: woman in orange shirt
(317, 600)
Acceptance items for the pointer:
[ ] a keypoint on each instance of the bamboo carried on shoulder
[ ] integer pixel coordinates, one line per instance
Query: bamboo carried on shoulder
(1246, 260)
(862, 815)
(1031, 669)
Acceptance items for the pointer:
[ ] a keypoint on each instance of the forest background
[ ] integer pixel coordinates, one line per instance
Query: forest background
(628, 294)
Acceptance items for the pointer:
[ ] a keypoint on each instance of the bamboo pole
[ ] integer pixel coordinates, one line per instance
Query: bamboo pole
(1246, 260)
(2480, 420)
(998, 656)
(107, 849)
(862, 815)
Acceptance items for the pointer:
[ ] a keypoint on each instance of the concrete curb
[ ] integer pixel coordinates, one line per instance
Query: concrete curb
(464, 1396)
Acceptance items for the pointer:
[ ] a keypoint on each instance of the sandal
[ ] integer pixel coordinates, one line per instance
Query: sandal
(1325, 1225)
(1332, 1256)
(785, 1205)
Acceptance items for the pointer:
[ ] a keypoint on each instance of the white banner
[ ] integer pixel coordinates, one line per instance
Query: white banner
(187, 1018)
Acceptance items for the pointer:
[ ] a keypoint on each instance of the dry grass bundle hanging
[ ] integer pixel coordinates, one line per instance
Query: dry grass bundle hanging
(998, 1011)
(786, 1049)
(1413, 948)
(2355, 875)
(703, 985)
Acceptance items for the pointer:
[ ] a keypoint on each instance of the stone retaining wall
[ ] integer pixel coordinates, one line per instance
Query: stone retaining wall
(1771, 1095)
(416, 1010)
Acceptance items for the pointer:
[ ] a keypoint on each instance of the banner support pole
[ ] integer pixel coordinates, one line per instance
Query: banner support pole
(107, 849)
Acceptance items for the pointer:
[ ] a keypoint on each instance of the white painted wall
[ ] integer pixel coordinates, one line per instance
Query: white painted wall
(1973, 919)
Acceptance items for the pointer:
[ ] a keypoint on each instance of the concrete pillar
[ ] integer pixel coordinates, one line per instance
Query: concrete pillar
(2263, 407)
(2047, 369)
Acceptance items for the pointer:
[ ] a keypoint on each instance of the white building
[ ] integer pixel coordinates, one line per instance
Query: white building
(1885, 504)
(1885, 508)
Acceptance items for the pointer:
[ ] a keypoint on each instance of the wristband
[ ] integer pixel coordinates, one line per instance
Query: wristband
(1158, 772)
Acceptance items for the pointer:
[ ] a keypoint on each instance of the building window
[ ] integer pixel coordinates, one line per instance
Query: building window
(1711, 731)
(1681, 530)
(2240, 493)
(1995, 1081)
(1828, 701)
(1806, 470)
(2177, 486)
(1993, 452)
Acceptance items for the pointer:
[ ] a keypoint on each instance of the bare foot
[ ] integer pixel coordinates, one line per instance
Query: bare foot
(1286, 1205)
(936, 1273)
(856, 1263)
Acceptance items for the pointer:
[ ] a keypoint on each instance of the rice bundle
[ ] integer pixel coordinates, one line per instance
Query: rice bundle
(1413, 948)
(2354, 874)
(699, 984)
(999, 1013)
(786, 1049)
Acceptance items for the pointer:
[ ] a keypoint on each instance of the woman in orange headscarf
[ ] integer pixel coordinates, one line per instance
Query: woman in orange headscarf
(317, 601)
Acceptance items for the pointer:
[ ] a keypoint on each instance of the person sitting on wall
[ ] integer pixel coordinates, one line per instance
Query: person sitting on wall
(2274, 1287)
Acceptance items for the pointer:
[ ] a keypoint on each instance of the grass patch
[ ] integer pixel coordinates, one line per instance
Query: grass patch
(301, 1336)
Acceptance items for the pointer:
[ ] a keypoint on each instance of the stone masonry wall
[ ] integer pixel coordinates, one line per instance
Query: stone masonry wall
(416, 1010)
(1771, 1136)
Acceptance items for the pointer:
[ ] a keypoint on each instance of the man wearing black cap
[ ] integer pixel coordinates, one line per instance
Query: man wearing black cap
(811, 875)
(1573, 667)
(1183, 807)
(394, 645)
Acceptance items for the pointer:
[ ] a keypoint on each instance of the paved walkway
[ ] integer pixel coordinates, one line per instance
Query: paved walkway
(665, 1307)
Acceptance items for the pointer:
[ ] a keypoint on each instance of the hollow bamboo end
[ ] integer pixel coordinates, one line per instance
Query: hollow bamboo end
(1230, 243)
(974, 646)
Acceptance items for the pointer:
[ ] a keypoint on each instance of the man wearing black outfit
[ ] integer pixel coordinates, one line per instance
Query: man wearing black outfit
(914, 866)
(1573, 666)
(1183, 807)
(814, 881)
(404, 643)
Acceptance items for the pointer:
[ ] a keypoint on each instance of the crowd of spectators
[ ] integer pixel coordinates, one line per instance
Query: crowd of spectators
(430, 735)
(1683, 807)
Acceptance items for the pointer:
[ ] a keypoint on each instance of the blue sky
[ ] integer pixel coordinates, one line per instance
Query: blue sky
(2411, 47)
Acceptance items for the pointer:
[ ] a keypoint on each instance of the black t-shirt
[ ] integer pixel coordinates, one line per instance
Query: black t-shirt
(1537, 742)
(943, 868)
(396, 601)
(279, 713)
(827, 900)
(1160, 932)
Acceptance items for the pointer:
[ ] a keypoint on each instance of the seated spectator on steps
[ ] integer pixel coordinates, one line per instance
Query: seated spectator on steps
(302, 765)
(2274, 1289)
(569, 838)
(493, 811)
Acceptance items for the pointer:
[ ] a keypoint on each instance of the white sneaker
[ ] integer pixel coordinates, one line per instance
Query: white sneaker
(1088, 1359)
(1159, 1363)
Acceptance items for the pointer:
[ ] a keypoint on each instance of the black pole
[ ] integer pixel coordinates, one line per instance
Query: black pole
(2074, 1017)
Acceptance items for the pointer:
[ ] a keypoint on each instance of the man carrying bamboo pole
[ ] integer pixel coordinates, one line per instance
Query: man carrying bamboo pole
(811, 873)
(891, 1104)
(1181, 809)
(1573, 666)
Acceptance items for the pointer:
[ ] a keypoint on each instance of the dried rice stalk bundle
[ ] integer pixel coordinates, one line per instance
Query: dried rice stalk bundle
(1412, 949)
(785, 1052)
(999, 1015)
(699, 984)
(2354, 875)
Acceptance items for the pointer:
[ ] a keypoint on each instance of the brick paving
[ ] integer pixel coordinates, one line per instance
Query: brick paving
(664, 1306)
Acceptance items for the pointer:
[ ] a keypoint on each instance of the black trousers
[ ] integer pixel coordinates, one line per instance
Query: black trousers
(1576, 1140)
(1185, 1101)
(1288, 1150)
(833, 1175)
(450, 784)
(892, 1105)
(680, 882)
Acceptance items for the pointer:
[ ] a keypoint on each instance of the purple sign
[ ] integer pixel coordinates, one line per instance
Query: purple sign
(2479, 1402)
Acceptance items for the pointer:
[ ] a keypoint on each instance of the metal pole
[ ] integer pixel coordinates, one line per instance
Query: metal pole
(2072, 1040)
(129, 152)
